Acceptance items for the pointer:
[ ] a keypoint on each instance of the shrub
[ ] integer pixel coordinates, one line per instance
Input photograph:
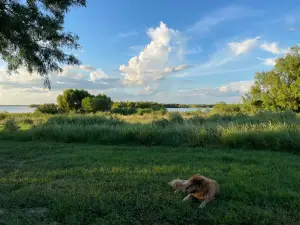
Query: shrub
(144, 111)
(28, 121)
(197, 120)
(175, 117)
(47, 108)
(161, 122)
(227, 109)
(11, 125)
(124, 111)
(3, 116)
(275, 116)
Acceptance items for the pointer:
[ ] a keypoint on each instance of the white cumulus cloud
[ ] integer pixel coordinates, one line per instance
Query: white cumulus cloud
(151, 64)
(97, 75)
(244, 46)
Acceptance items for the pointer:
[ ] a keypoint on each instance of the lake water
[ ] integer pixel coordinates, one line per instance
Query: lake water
(187, 109)
(27, 109)
(16, 109)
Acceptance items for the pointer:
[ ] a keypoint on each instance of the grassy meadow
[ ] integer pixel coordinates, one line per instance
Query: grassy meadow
(263, 131)
(52, 183)
(111, 169)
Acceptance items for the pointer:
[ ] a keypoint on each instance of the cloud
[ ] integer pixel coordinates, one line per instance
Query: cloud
(97, 75)
(85, 67)
(35, 90)
(220, 16)
(239, 86)
(82, 76)
(294, 29)
(244, 46)
(146, 91)
(151, 64)
(268, 61)
(273, 48)
(218, 59)
(232, 91)
(127, 34)
(177, 68)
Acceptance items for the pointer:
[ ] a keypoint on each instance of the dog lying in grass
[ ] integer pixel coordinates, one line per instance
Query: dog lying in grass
(197, 186)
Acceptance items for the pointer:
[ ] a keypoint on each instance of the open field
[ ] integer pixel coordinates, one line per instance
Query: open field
(70, 179)
(269, 131)
(50, 183)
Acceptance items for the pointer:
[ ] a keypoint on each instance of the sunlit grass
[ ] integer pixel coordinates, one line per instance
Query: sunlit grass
(51, 183)
(270, 131)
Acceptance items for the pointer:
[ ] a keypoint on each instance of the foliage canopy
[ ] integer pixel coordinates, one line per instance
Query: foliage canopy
(32, 35)
(279, 88)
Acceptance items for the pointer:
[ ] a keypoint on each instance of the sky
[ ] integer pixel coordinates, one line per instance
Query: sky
(166, 51)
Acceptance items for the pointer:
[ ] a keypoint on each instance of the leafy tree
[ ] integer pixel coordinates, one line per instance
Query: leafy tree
(278, 89)
(48, 108)
(71, 100)
(32, 35)
(99, 103)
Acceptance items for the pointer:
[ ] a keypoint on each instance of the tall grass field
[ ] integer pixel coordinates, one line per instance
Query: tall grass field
(268, 131)
(113, 169)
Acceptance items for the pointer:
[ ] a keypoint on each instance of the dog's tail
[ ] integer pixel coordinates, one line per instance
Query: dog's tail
(173, 183)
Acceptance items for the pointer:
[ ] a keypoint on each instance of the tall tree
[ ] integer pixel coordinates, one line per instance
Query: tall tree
(71, 100)
(32, 35)
(93, 104)
(279, 88)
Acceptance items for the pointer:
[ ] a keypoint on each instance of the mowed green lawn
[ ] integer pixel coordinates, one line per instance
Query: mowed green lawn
(52, 183)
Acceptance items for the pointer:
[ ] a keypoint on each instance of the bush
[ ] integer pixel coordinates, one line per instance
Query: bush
(28, 121)
(124, 111)
(144, 111)
(161, 122)
(227, 109)
(47, 108)
(175, 117)
(197, 120)
(11, 125)
(275, 116)
(3, 116)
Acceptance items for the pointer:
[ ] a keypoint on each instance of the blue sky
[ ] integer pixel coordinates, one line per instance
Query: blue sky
(167, 51)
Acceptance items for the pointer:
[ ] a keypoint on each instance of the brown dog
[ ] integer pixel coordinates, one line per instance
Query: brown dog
(203, 188)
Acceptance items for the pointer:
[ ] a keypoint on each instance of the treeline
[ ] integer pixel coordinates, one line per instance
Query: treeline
(128, 108)
(173, 105)
(34, 105)
(81, 101)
